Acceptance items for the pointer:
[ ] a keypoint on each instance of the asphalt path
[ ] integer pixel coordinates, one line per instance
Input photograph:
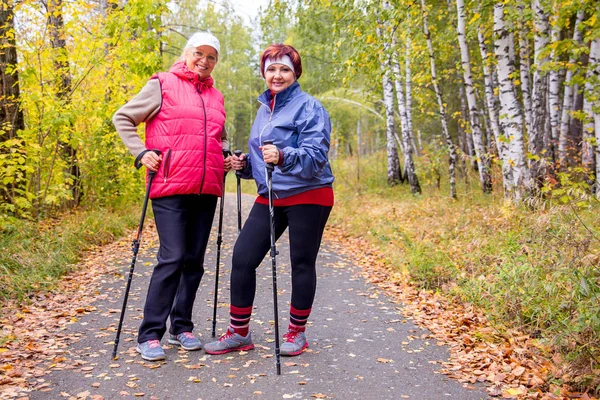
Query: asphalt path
(361, 346)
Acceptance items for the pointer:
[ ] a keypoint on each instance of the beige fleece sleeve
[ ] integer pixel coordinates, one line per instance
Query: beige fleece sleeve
(224, 140)
(145, 105)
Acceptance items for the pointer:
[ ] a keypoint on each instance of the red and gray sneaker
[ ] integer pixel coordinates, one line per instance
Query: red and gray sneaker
(294, 343)
(230, 341)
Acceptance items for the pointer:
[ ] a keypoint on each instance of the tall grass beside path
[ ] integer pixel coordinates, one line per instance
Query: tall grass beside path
(35, 255)
(533, 270)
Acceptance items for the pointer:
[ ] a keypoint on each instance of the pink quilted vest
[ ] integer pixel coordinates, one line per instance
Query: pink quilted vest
(187, 131)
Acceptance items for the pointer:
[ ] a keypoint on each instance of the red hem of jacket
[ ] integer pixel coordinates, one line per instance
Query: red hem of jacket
(320, 197)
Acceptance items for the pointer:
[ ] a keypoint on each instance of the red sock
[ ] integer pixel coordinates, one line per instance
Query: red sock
(298, 319)
(240, 319)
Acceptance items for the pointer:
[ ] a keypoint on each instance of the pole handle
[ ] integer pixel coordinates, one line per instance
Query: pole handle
(226, 153)
(270, 166)
(238, 153)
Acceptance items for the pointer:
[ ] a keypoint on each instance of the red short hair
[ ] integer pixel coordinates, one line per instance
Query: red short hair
(278, 50)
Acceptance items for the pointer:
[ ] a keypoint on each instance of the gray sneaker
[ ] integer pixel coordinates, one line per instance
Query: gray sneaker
(186, 340)
(151, 350)
(294, 343)
(230, 341)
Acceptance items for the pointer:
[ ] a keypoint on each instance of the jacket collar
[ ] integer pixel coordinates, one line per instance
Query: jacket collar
(182, 71)
(282, 97)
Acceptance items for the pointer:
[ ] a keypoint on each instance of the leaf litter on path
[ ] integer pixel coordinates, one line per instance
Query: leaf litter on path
(27, 353)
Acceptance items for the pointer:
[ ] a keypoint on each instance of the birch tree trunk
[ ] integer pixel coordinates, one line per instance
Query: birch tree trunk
(563, 138)
(441, 105)
(553, 97)
(525, 70)
(407, 148)
(463, 144)
(483, 158)
(467, 145)
(587, 148)
(490, 143)
(592, 89)
(492, 106)
(590, 98)
(408, 83)
(393, 164)
(538, 162)
(511, 117)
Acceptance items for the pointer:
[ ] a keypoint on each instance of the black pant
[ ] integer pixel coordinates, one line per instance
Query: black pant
(183, 223)
(306, 223)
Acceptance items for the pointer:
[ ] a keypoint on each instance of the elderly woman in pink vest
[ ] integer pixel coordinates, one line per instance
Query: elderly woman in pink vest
(185, 143)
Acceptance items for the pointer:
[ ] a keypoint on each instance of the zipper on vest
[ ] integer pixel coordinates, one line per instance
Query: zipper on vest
(167, 166)
(205, 142)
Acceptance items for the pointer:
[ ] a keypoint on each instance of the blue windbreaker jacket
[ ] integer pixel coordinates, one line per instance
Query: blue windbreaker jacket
(300, 127)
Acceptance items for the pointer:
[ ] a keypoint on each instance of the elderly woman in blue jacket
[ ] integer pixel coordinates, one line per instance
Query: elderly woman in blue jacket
(299, 128)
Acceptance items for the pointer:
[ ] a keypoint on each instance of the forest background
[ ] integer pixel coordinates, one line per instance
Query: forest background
(464, 142)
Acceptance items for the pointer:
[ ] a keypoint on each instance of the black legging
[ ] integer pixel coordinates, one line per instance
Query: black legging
(306, 223)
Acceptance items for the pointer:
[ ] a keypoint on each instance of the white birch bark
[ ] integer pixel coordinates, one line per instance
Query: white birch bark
(483, 158)
(442, 107)
(563, 138)
(525, 71)
(536, 147)
(592, 97)
(464, 144)
(408, 83)
(393, 164)
(587, 149)
(493, 113)
(553, 96)
(489, 144)
(511, 118)
(409, 165)
(548, 142)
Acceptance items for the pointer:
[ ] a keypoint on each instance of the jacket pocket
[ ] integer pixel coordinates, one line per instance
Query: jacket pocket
(166, 165)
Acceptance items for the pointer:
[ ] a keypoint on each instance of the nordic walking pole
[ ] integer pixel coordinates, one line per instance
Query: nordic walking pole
(238, 174)
(135, 247)
(219, 241)
(269, 168)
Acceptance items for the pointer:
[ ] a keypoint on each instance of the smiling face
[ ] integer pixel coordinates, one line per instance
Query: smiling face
(201, 60)
(279, 77)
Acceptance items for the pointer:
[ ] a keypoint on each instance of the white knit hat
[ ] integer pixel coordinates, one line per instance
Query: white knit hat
(203, 39)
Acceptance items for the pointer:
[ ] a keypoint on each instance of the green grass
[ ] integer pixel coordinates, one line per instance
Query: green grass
(532, 269)
(35, 255)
